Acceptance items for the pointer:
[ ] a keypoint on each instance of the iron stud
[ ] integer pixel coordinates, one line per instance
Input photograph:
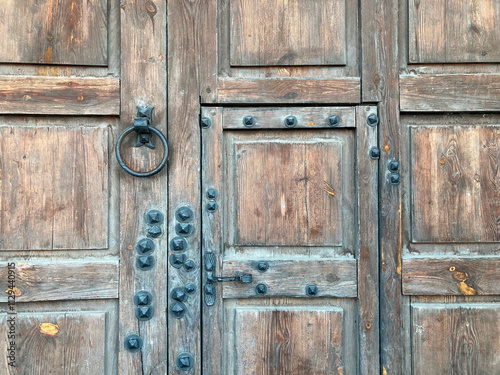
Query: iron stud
(372, 120)
(189, 265)
(154, 231)
(143, 298)
(311, 290)
(393, 165)
(290, 121)
(144, 313)
(190, 288)
(154, 217)
(184, 214)
(133, 343)
(145, 246)
(212, 194)
(178, 309)
(205, 123)
(261, 289)
(183, 229)
(185, 362)
(375, 153)
(248, 121)
(178, 294)
(145, 262)
(262, 266)
(212, 206)
(178, 244)
(333, 120)
(177, 260)
(394, 178)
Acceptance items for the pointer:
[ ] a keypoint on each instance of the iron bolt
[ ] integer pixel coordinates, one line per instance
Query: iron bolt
(178, 294)
(145, 246)
(205, 122)
(290, 121)
(210, 289)
(144, 313)
(154, 217)
(145, 262)
(372, 120)
(262, 266)
(184, 214)
(133, 343)
(143, 298)
(178, 244)
(333, 120)
(311, 290)
(212, 194)
(189, 265)
(393, 165)
(185, 361)
(154, 231)
(248, 121)
(183, 229)
(212, 206)
(177, 260)
(190, 288)
(261, 289)
(394, 178)
(375, 153)
(178, 310)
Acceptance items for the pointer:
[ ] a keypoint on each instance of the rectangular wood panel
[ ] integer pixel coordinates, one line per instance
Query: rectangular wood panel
(288, 278)
(54, 32)
(455, 184)
(59, 96)
(455, 338)
(65, 343)
(53, 188)
(289, 32)
(450, 92)
(288, 341)
(454, 31)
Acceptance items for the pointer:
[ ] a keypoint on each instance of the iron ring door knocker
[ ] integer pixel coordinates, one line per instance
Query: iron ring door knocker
(142, 126)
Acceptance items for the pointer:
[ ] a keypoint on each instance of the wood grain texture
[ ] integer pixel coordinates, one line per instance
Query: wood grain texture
(451, 276)
(289, 341)
(455, 179)
(61, 280)
(450, 92)
(289, 32)
(65, 343)
(454, 31)
(59, 96)
(289, 90)
(373, 25)
(274, 117)
(53, 188)
(54, 32)
(289, 278)
(460, 339)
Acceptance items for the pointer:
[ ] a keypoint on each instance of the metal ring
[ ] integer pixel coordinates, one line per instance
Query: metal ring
(141, 174)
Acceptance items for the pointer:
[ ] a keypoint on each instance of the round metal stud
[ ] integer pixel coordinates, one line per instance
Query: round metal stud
(178, 294)
(248, 121)
(145, 246)
(133, 343)
(372, 120)
(183, 229)
(154, 217)
(144, 313)
(178, 310)
(154, 231)
(394, 178)
(143, 298)
(333, 120)
(212, 194)
(393, 165)
(261, 289)
(375, 153)
(312, 290)
(290, 121)
(178, 244)
(262, 266)
(185, 362)
(177, 260)
(190, 288)
(189, 265)
(145, 263)
(205, 122)
(184, 214)
(212, 206)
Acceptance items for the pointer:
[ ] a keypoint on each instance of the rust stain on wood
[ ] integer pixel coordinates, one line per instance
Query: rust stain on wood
(14, 291)
(50, 329)
(328, 188)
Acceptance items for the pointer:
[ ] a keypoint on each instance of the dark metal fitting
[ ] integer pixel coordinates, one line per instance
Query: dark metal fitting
(212, 194)
(185, 362)
(145, 263)
(145, 246)
(244, 278)
(143, 298)
(375, 153)
(154, 217)
(210, 260)
(261, 289)
(212, 206)
(184, 229)
(248, 121)
(393, 165)
(178, 244)
(394, 178)
(133, 343)
(142, 121)
(290, 121)
(184, 214)
(177, 260)
(205, 122)
(144, 313)
(210, 294)
(333, 120)
(178, 310)
(154, 231)
(189, 265)
(312, 290)
(372, 120)
(262, 266)
(190, 288)
(178, 294)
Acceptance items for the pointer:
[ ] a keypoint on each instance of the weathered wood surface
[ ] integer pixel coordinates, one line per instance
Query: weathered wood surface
(59, 96)
(289, 341)
(450, 92)
(289, 32)
(289, 90)
(274, 117)
(373, 26)
(53, 188)
(144, 79)
(451, 276)
(54, 32)
(288, 278)
(61, 280)
(65, 343)
(456, 338)
(453, 31)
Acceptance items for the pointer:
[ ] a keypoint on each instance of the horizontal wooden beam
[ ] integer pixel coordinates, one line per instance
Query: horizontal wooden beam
(289, 90)
(56, 281)
(450, 92)
(451, 276)
(289, 278)
(59, 96)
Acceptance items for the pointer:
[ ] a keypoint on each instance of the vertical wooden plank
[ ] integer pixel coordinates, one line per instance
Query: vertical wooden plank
(368, 265)
(373, 48)
(143, 51)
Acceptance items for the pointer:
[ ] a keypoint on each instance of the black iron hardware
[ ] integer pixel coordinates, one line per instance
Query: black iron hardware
(154, 217)
(394, 178)
(185, 362)
(248, 121)
(145, 263)
(142, 126)
(177, 260)
(184, 229)
(133, 343)
(333, 120)
(372, 120)
(178, 244)
(261, 289)
(184, 214)
(189, 265)
(210, 294)
(212, 206)
(375, 153)
(178, 294)
(290, 121)
(143, 298)
(262, 266)
(178, 309)
(312, 290)
(154, 231)
(190, 288)
(144, 313)
(393, 165)
(205, 123)
(145, 246)
(210, 267)
(212, 194)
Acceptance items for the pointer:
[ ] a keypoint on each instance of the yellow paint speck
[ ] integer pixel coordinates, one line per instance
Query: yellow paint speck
(49, 329)
(310, 123)
(466, 289)
(452, 269)
(14, 291)
(80, 98)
